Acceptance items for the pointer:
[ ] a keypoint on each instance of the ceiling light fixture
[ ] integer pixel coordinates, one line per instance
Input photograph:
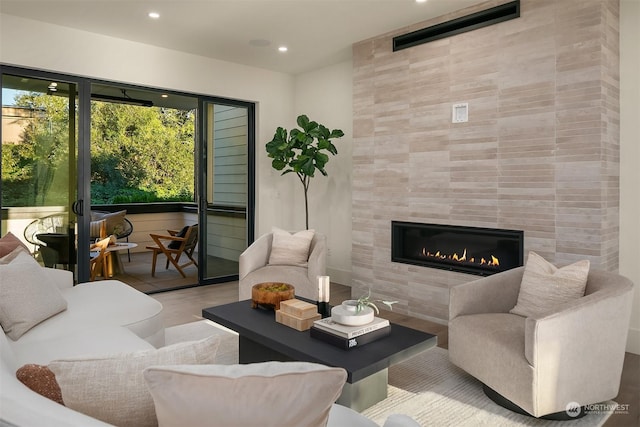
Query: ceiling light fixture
(421, 1)
(283, 49)
(154, 15)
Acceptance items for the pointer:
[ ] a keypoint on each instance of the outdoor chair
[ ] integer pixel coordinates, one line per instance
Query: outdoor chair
(173, 246)
(98, 260)
(55, 223)
(49, 236)
(117, 224)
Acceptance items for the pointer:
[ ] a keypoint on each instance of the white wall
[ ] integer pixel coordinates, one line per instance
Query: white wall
(325, 95)
(630, 158)
(33, 44)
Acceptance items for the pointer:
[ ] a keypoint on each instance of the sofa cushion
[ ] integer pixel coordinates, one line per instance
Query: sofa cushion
(545, 287)
(40, 379)
(112, 388)
(26, 296)
(104, 303)
(95, 339)
(9, 242)
(264, 394)
(290, 249)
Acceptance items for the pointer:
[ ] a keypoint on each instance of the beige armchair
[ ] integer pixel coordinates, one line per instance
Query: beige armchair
(541, 364)
(254, 268)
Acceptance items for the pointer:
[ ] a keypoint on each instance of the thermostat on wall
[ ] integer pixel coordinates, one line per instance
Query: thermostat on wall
(460, 112)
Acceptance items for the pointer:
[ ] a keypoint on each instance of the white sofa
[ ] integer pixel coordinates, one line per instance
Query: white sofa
(103, 317)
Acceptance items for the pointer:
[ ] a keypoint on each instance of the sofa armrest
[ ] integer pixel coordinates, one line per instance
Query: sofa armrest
(582, 345)
(63, 279)
(497, 293)
(317, 263)
(255, 256)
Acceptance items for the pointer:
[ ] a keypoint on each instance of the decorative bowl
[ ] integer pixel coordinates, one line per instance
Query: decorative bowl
(270, 294)
(347, 314)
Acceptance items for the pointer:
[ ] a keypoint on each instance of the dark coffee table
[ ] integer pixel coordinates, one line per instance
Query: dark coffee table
(262, 339)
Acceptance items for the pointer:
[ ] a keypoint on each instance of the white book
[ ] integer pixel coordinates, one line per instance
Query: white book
(327, 324)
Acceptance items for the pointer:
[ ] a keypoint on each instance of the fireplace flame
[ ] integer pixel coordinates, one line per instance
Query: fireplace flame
(493, 262)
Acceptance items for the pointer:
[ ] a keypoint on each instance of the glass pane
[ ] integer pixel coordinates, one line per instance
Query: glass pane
(227, 172)
(140, 152)
(39, 166)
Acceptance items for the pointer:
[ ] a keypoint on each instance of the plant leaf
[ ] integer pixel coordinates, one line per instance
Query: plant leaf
(308, 168)
(389, 304)
(303, 121)
(336, 133)
(278, 164)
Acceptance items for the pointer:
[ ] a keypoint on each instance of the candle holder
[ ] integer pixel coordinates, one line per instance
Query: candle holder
(324, 309)
(323, 296)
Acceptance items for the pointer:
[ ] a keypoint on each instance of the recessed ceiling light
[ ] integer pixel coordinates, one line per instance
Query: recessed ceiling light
(154, 15)
(164, 95)
(421, 1)
(283, 49)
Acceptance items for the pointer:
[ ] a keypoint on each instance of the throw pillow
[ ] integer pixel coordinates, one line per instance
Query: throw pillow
(9, 242)
(27, 296)
(97, 229)
(41, 380)
(13, 255)
(112, 388)
(290, 249)
(544, 287)
(175, 244)
(257, 394)
(115, 221)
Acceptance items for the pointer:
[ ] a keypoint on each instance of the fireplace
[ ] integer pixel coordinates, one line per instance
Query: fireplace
(482, 251)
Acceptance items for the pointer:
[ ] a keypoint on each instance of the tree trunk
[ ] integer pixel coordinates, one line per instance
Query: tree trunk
(305, 184)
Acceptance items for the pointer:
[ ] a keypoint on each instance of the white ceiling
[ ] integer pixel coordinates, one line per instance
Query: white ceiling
(317, 32)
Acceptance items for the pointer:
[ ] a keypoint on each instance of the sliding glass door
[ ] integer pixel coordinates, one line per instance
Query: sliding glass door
(226, 187)
(72, 144)
(39, 171)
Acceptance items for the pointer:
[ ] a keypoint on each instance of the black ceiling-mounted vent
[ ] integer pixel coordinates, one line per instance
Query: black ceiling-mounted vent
(474, 21)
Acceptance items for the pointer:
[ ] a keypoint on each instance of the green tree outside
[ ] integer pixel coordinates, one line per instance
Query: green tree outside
(138, 154)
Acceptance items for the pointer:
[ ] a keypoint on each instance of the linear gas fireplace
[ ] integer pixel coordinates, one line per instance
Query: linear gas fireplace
(473, 250)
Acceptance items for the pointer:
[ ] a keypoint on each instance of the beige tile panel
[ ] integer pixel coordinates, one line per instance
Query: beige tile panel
(540, 151)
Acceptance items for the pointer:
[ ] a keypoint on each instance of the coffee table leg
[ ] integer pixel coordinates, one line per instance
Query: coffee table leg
(366, 392)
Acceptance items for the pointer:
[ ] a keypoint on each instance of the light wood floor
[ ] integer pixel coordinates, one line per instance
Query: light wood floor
(185, 305)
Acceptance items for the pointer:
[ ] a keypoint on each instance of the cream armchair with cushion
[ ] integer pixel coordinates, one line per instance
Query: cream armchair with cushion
(543, 362)
(257, 264)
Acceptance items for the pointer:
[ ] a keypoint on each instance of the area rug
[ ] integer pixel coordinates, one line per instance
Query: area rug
(436, 393)
(426, 387)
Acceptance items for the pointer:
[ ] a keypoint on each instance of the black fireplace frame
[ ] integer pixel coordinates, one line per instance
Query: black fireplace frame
(397, 243)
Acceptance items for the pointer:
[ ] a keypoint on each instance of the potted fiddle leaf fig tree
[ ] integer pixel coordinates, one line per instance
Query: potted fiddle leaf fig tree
(303, 151)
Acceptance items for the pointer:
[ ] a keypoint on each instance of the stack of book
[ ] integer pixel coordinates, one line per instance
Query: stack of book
(297, 314)
(347, 337)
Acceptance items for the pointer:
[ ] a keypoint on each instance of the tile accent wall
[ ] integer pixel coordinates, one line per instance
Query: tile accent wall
(540, 151)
